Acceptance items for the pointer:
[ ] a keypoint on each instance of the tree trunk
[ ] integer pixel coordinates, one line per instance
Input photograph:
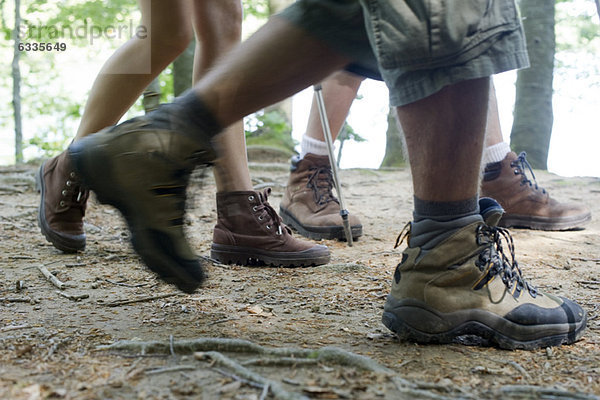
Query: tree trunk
(533, 117)
(183, 70)
(16, 77)
(394, 143)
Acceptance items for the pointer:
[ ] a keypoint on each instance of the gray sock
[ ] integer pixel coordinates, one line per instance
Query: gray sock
(436, 221)
(188, 115)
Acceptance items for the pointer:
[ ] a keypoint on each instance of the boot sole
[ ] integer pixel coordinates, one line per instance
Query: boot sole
(61, 242)
(544, 223)
(462, 325)
(318, 232)
(155, 249)
(251, 256)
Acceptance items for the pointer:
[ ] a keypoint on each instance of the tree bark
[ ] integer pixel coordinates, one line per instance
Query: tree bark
(533, 116)
(16, 78)
(394, 143)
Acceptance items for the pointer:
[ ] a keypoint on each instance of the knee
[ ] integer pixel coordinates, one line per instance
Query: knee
(222, 22)
(172, 41)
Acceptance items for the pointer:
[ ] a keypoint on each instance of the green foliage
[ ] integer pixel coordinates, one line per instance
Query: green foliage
(269, 129)
(576, 29)
(348, 133)
(256, 8)
(77, 22)
(49, 140)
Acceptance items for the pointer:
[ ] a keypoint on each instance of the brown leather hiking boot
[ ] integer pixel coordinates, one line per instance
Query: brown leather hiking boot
(249, 232)
(527, 205)
(62, 204)
(471, 286)
(309, 205)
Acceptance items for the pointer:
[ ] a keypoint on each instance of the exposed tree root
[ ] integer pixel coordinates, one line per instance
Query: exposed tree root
(213, 347)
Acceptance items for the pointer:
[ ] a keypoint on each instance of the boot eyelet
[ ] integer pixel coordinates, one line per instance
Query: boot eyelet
(260, 218)
(268, 227)
(72, 174)
(62, 203)
(250, 198)
(64, 193)
(254, 208)
(68, 183)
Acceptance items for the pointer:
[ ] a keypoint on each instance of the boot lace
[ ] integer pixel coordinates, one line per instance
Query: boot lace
(268, 213)
(520, 165)
(494, 261)
(321, 182)
(73, 195)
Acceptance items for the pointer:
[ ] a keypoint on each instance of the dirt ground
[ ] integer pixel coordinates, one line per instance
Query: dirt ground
(50, 337)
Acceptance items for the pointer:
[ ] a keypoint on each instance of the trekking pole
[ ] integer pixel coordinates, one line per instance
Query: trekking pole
(328, 139)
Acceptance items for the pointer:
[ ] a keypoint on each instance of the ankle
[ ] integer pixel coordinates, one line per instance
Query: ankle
(436, 221)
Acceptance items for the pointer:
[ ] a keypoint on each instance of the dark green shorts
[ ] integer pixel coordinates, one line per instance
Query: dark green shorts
(418, 46)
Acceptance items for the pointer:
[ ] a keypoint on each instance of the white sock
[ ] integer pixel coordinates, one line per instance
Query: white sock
(313, 146)
(495, 153)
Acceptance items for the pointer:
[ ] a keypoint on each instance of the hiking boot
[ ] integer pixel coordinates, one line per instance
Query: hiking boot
(249, 232)
(309, 205)
(142, 168)
(62, 204)
(467, 287)
(526, 204)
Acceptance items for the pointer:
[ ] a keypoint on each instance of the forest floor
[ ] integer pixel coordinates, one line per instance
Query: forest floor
(51, 338)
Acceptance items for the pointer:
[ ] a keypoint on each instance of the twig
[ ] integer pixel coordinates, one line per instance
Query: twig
(20, 257)
(138, 300)
(265, 392)
(126, 284)
(75, 265)
(521, 391)
(50, 277)
(178, 368)
(220, 321)
(278, 391)
(280, 362)
(74, 297)
(17, 299)
(237, 378)
(14, 327)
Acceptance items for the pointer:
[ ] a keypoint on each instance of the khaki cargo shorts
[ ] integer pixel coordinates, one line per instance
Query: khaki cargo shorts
(418, 46)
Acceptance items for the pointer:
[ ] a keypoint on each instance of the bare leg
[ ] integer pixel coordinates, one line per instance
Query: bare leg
(444, 136)
(218, 24)
(112, 94)
(308, 204)
(493, 131)
(339, 91)
(250, 77)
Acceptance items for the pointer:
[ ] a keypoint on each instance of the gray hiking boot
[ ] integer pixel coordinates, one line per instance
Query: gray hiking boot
(142, 168)
(467, 286)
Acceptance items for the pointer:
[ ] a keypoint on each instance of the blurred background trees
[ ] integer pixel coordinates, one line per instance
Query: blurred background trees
(40, 104)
